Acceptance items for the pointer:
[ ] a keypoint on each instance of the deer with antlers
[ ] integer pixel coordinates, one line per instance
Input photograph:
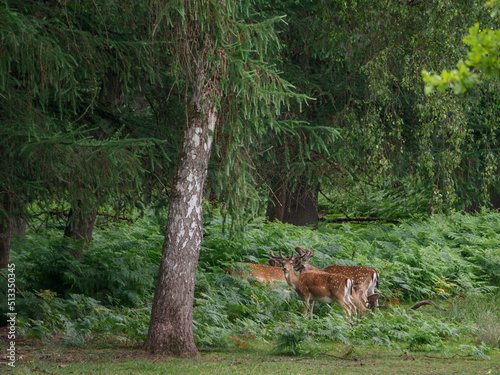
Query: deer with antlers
(320, 286)
(365, 278)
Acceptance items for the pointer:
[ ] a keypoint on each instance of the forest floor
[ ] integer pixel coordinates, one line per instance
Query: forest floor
(249, 357)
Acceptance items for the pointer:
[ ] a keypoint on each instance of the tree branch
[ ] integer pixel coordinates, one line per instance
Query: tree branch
(422, 303)
(356, 219)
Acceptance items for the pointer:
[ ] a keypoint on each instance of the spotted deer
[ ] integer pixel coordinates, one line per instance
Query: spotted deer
(320, 286)
(263, 273)
(365, 278)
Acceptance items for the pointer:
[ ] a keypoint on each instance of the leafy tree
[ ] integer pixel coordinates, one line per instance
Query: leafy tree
(482, 103)
(483, 58)
(391, 137)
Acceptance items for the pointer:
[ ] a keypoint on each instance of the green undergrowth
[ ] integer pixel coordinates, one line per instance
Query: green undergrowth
(106, 295)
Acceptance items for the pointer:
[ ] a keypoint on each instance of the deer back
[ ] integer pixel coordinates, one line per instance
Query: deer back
(261, 272)
(362, 276)
(325, 287)
(266, 273)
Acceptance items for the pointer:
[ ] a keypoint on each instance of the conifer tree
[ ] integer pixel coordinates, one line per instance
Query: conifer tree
(70, 75)
(233, 94)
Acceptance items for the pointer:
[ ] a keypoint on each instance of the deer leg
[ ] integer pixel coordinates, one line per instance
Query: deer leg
(307, 306)
(311, 308)
(360, 293)
(345, 307)
(348, 301)
(371, 287)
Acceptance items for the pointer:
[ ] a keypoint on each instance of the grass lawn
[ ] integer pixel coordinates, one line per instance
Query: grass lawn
(256, 357)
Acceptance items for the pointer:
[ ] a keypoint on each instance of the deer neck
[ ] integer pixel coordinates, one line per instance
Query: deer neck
(291, 278)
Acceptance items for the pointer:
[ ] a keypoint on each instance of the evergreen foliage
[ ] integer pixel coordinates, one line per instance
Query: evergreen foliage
(72, 74)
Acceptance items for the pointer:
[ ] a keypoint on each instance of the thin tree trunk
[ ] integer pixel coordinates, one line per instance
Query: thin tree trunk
(6, 225)
(170, 330)
(19, 226)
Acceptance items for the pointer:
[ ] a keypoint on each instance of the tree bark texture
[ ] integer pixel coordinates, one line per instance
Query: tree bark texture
(302, 205)
(297, 207)
(80, 226)
(6, 225)
(19, 226)
(170, 330)
(277, 202)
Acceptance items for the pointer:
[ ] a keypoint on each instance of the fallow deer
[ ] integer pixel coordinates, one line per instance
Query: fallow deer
(263, 273)
(320, 286)
(365, 278)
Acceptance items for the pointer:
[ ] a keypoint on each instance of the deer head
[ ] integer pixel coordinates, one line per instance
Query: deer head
(294, 260)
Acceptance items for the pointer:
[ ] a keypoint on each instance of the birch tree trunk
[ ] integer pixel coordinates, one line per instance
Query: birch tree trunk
(170, 329)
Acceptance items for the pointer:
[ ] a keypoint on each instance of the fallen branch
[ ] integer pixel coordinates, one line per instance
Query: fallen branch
(65, 214)
(287, 360)
(123, 218)
(360, 219)
(422, 303)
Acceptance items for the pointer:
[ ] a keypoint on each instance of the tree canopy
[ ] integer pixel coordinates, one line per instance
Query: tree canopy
(483, 59)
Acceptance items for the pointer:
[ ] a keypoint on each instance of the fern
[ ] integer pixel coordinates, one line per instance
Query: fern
(103, 293)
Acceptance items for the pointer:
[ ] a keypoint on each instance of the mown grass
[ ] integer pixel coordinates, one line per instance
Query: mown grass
(256, 358)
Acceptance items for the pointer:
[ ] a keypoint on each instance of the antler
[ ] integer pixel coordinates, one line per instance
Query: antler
(274, 262)
(281, 257)
(309, 255)
(299, 250)
(303, 254)
(276, 257)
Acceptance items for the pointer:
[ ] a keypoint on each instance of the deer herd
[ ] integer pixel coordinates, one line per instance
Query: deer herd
(352, 287)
